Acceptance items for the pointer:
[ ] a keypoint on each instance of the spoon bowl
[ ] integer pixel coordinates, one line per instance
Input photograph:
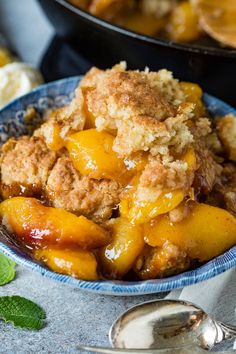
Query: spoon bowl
(167, 324)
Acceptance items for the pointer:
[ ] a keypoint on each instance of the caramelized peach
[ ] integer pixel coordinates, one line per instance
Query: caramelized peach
(193, 94)
(51, 130)
(205, 233)
(37, 225)
(79, 264)
(190, 158)
(140, 211)
(92, 154)
(118, 257)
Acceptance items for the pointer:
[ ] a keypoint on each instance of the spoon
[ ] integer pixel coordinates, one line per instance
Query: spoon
(183, 350)
(167, 324)
(218, 19)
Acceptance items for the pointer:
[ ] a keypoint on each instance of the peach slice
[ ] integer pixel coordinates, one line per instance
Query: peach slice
(140, 211)
(205, 233)
(79, 264)
(54, 140)
(193, 94)
(37, 225)
(119, 256)
(92, 154)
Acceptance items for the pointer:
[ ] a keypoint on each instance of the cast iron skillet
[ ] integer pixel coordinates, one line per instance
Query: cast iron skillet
(106, 44)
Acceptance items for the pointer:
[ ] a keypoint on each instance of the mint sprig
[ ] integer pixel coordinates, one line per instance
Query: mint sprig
(7, 270)
(21, 312)
(17, 310)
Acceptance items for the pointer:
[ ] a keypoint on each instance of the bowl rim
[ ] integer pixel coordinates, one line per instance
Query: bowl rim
(128, 288)
(192, 48)
(206, 271)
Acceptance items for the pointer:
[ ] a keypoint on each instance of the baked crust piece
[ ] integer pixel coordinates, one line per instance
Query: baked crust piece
(146, 109)
(208, 170)
(161, 262)
(169, 175)
(67, 188)
(69, 119)
(26, 161)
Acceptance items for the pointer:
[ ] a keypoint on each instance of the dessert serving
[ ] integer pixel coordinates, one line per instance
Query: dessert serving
(132, 180)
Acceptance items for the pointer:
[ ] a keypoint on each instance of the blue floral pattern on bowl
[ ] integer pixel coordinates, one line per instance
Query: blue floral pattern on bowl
(57, 94)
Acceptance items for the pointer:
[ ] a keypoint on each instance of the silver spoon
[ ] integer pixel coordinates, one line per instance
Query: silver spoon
(183, 350)
(167, 324)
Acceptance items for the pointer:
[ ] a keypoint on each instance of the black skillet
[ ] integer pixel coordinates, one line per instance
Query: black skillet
(105, 44)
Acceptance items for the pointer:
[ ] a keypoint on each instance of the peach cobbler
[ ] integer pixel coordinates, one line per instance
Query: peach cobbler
(170, 19)
(133, 179)
(182, 21)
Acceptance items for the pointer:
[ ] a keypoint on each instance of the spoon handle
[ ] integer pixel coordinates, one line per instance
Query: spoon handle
(103, 350)
(228, 331)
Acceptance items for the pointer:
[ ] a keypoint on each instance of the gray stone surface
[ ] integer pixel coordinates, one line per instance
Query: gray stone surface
(73, 316)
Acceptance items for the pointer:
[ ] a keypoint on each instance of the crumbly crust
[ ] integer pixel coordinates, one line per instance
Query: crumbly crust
(67, 188)
(207, 172)
(147, 109)
(26, 161)
(160, 262)
(117, 94)
(169, 175)
(69, 119)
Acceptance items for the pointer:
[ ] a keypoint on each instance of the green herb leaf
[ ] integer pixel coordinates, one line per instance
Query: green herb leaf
(21, 312)
(7, 270)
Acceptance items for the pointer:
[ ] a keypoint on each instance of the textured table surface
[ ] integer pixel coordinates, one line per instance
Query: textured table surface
(72, 316)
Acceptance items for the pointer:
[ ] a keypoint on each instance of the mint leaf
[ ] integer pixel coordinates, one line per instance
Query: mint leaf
(7, 270)
(21, 312)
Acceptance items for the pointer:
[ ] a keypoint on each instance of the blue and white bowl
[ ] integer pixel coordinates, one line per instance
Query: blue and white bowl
(57, 94)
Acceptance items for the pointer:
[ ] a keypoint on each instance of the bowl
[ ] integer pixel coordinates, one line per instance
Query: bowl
(105, 44)
(57, 94)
